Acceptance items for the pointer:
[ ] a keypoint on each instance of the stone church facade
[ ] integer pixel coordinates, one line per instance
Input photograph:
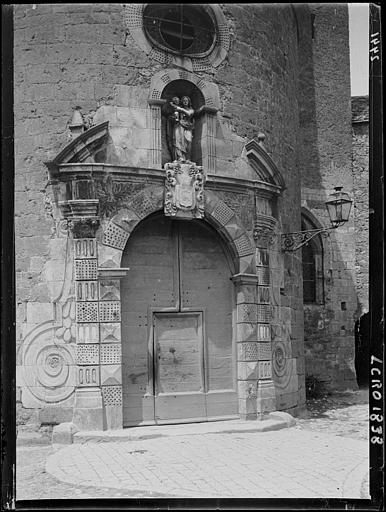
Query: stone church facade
(153, 285)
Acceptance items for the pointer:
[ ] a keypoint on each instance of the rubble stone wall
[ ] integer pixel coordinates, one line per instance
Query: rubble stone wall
(360, 133)
(325, 161)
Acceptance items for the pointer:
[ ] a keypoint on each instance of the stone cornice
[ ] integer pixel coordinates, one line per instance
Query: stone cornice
(112, 273)
(242, 279)
(69, 171)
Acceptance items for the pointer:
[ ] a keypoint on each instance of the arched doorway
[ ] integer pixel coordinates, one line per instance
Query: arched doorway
(177, 328)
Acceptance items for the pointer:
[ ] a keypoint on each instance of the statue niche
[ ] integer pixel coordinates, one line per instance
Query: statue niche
(184, 180)
(181, 122)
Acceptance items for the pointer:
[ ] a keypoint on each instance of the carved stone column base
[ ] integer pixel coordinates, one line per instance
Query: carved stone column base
(266, 399)
(113, 418)
(247, 408)
(88, 409)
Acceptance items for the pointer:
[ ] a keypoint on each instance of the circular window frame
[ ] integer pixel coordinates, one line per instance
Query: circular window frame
(205, 61)
(199, 55)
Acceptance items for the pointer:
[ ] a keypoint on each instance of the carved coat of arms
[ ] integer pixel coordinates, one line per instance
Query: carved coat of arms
(184, 190)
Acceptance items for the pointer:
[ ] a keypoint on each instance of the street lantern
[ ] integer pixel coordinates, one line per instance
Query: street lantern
(338, 209)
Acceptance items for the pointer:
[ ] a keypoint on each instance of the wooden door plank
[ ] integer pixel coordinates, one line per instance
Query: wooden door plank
(152, 282)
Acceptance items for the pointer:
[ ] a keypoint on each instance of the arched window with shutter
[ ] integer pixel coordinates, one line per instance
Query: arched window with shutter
(312, 262)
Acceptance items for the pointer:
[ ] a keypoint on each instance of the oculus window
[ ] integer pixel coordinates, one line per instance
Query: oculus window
(183, 29)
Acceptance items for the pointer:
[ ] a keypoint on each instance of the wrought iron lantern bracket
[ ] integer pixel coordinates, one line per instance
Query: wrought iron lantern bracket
(338, 208)
(294, 241)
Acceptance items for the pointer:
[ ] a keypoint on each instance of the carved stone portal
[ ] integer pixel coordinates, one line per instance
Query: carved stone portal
(184, 190)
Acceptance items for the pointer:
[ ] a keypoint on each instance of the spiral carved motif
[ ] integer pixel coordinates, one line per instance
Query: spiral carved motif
(282, 368)
(49, 367)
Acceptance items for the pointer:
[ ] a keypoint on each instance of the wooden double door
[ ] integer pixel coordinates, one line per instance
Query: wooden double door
(178, 355)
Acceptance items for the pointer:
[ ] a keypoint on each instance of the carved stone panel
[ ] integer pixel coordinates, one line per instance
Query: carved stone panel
(263, 275)
(88, 333)
(88, 376)
(109, 290)
(86, 269)
(112, 395)
(111, 374)
(110, 311)
(110, 332)
(86, 290)
(184, 190)
(87, 312)
(265, 370)
(87, 353)
(262, 257)
(85, 248)
(110, 354)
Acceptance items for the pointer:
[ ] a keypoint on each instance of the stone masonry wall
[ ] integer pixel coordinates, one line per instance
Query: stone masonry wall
(360, 133)
(70, 55)
(325, 161)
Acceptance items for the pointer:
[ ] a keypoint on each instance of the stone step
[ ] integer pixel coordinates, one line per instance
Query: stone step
(273, 421)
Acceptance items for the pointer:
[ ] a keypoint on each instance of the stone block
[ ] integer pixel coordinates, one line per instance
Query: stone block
(126, 219)
(233, 229)
(263, 332)
(111, 374)
(247, 408)
(110, 311)
(246, 313)
(55, 415)
(63, 433)
(246, 332)
(262, 257)
(300, 367)
(88, 376)
(109, 257)
(113, 417)
(112, 395)
(287, 400)
(263, 295)
(246, 389)
(109, 289)
(38, 313)
(85, 248)
(130, 96)
(111, 353)
(87, 333)
(87, 354)
(86, 290)
(115, 236)
(88, 409)
(110, 332)
(246, 293)
(247, 370)
(247, 264)
(211, 201)
(264, 370)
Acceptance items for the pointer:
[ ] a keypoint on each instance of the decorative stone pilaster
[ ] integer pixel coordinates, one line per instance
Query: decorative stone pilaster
(247, 347)
(88, 410)
(155, 159)
(110, 344)
(264, 234)
(208, 140)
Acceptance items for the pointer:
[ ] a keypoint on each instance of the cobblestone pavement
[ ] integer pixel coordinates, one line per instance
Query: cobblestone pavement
(325, 455)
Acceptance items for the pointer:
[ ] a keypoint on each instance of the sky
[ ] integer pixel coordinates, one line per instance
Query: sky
(359, 48)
